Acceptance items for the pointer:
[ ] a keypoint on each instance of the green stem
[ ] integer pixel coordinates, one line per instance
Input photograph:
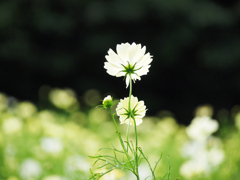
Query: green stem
(135, 126)
(120, 139)
(127, 134)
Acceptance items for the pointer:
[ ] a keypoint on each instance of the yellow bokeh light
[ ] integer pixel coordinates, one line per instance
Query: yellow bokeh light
(26, 109)
(63, 98)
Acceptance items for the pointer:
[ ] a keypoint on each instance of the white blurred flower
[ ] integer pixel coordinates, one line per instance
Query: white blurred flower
(193, 168)
(54, 177)
(205, 151)
(201, 128)
(192, 148)
(137, 107)
(205, 157)
(129, 60)
(144, 171)
(30, 169)
(51, 145)
(215, 156)
(77, 163)
(12, 125)
(197, 166)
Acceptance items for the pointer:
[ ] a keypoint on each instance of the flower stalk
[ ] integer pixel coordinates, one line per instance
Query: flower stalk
(120, 138)
(135, 126)
(131, 62)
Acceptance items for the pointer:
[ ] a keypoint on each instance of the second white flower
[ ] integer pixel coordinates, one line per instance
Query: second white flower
(138, 110)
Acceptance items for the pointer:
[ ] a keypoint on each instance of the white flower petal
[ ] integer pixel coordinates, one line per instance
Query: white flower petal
(112, 57)
(139, 54)
(138, 120)
(132, 53)
(134, 101)
(127, 81)
(143, 71)
(144, 61)
(135, 77)
(122, 51)
(111, 69)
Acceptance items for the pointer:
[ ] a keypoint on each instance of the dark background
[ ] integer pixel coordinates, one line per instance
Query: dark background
(195, 46)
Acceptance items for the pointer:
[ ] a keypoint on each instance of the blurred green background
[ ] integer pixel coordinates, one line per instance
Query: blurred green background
(51, 72)
(195, 47)
(54, 142)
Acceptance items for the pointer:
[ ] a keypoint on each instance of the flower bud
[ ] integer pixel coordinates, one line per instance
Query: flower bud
(107, 102)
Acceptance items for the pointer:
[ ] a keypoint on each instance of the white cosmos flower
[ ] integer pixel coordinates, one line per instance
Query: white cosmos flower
(137, 107)
(51, 145)
(30, 169)
(77, 163)
(201, 128)
(129, 60)
(194, 168)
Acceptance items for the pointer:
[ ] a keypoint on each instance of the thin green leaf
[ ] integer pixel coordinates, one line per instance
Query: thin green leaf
(114, 149)
(157, 163)
(106, 172)
(147, 177)
(169, 168)
(147, 162)
(129, 146)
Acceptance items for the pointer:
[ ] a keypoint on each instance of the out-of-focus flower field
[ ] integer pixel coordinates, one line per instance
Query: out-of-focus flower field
(52, 141)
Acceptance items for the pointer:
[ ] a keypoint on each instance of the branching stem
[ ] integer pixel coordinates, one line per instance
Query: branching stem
(120, 139)
(135, 126)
